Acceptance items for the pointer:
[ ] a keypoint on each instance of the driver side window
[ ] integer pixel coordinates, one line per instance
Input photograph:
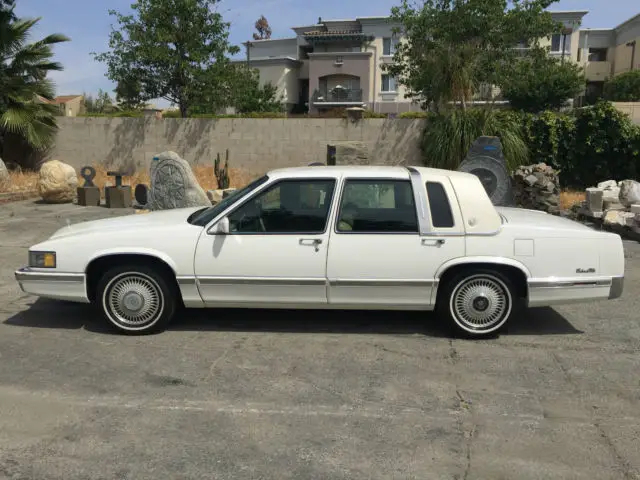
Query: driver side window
(288, 207)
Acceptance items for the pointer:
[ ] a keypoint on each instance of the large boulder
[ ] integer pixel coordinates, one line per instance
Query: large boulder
(629, 193)
(619, 217)
(607, 184)
(537, 187)
(349, 153)
(4, 173)
(173, 184)
(216, 196)
(57, 182)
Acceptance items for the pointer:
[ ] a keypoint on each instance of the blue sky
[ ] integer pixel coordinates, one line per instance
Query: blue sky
(88, 24)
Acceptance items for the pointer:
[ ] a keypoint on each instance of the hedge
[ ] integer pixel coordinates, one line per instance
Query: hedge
(588, 145)
(624, 87)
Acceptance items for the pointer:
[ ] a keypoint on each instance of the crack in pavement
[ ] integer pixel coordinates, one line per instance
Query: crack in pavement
(621, 463)
(628, 472)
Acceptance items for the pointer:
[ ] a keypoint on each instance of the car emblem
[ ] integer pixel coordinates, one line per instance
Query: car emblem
(586, 270)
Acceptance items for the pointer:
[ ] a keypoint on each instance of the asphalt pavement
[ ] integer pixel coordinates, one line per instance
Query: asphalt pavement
(248, 394)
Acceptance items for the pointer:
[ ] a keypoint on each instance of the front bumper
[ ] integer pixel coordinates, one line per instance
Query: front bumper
(55, 285)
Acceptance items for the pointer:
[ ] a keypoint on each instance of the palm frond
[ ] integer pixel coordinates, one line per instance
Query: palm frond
(32, 122)
(53, 39)
(24, 84)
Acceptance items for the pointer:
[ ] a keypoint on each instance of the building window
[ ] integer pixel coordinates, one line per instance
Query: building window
(388, 83)
(557, 40)
(597, 54)
(389, 45)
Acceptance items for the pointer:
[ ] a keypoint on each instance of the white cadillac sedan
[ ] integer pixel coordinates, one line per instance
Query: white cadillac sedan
(344, 237)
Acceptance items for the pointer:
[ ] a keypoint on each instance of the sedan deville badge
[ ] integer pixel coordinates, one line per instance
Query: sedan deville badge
(586, 270)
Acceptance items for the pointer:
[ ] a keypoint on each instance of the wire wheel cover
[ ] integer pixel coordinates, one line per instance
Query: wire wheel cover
(480, 302)
(134, 299)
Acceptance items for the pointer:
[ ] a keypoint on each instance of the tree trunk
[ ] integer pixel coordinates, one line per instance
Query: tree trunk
(183, 109)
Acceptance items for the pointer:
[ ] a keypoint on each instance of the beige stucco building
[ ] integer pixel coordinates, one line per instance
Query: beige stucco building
(607, 52)
(70, 105)
(333, 63)
(337, 63)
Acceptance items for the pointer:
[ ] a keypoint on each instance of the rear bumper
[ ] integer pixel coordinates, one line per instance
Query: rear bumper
(55, 285)
(617, 286)
(546, 292)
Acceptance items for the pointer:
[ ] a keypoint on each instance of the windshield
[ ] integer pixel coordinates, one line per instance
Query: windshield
(205, 215)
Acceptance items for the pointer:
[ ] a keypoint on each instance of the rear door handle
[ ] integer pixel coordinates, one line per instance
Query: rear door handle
(427, 242)
(312, 242)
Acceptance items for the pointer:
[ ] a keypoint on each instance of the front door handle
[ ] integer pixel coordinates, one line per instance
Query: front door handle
(313, 242)
(427, 242)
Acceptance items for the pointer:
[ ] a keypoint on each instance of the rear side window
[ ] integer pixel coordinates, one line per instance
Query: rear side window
(377, 206)
(441, 215)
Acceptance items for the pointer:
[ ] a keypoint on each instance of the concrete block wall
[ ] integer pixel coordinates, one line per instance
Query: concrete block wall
(255, 144)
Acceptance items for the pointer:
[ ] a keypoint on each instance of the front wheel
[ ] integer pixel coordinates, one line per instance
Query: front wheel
(136, 299)
(477, 303)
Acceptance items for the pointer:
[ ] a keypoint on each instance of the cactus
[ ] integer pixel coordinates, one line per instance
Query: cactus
(222, 173)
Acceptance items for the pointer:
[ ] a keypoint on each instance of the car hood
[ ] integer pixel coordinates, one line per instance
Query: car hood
(142, 221)
(523, 217)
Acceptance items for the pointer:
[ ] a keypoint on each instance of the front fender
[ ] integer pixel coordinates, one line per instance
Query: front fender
(134, 251)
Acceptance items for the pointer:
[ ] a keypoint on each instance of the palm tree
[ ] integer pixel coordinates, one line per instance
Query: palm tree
(25, 90)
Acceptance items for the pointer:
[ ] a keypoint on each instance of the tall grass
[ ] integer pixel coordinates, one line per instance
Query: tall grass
(26, 181)
(448, 136)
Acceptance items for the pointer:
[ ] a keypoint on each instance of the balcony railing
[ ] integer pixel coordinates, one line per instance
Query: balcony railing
(337, 95)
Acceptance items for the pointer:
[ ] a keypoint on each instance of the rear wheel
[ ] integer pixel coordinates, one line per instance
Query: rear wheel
(136, 299)
(477, 303)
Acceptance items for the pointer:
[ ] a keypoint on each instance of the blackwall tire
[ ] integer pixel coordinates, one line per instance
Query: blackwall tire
(477, 303)
(136, 299)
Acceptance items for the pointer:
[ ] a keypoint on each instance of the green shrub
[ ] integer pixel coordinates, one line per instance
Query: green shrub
(121, 114)
(589, 145)
(624, 87)
(549, 135)
(605, 145)
(370, 114)
(448, 136)
(415, 115)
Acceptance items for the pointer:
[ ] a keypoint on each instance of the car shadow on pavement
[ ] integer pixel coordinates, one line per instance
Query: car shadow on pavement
(52, 314)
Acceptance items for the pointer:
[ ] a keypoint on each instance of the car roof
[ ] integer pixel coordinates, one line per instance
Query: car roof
(361, 171)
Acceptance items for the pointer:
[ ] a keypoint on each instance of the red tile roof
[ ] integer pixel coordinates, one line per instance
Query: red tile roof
(45, 100)
(65, 98)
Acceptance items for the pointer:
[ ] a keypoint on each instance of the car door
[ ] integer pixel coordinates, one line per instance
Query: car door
(384, 251)
(275, 251)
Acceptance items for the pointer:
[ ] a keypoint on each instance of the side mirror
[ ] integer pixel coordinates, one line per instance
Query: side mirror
(222, 227)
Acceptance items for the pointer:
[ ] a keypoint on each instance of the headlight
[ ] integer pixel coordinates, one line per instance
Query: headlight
(42, 259)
